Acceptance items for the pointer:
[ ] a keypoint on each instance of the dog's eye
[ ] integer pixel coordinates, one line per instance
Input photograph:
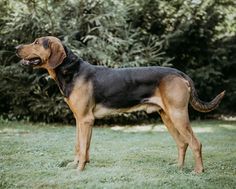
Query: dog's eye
(36, 42)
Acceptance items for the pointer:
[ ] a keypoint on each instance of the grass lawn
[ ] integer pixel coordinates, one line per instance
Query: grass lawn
(34, 156)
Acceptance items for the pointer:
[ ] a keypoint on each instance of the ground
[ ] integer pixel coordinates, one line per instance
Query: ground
(35, 155)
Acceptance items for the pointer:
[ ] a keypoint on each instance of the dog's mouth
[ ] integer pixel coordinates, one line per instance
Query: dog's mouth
(32, 61)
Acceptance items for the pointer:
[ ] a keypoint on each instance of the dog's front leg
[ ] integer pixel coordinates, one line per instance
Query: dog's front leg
(84, 134)
(74, 164)
(77, 144)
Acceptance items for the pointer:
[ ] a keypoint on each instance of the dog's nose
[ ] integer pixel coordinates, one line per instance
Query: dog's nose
(18, 48)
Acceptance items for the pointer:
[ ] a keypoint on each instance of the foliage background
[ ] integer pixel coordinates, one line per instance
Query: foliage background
(195, 36)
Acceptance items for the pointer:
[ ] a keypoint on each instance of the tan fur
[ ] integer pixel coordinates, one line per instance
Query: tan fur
(176, 119)
(81, 104)
(100, 111)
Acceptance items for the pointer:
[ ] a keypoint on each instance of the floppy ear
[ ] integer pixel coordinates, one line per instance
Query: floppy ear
(57, 54)
(46, 43)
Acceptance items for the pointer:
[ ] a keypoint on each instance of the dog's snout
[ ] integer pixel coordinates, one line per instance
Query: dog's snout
(18, 48)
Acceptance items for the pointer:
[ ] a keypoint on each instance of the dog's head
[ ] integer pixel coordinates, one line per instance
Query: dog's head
(46, 52)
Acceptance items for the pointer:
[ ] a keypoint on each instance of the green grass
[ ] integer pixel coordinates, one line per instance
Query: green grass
(34, 156)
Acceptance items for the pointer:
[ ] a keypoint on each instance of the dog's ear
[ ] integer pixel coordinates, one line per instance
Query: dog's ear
(57, 53)
(46, 43)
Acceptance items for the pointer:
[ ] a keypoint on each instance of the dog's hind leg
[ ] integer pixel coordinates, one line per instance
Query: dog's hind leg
(181, 144)
(181, 123)
(175, 95)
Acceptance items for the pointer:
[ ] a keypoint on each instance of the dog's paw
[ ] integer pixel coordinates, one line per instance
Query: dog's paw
(198, 170)
(64, 163)
(81, 166)
(72, 165)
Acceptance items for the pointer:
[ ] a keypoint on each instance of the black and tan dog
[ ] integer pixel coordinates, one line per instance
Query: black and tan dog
(96, 91)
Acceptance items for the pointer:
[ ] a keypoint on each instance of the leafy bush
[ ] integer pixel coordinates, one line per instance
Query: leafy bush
(197, 37)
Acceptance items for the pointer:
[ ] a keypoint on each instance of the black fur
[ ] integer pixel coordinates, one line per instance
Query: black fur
(127, 87)
(67, 71)
(113, 88)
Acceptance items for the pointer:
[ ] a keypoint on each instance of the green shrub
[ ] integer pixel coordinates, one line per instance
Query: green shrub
(195, 37)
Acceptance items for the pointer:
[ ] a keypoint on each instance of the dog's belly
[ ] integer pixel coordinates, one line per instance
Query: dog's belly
(101, 111)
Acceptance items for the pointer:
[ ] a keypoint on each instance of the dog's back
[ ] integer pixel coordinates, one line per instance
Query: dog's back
(126, 87)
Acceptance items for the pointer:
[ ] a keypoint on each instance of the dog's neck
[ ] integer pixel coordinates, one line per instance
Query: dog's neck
(69, 60)
(64, 74)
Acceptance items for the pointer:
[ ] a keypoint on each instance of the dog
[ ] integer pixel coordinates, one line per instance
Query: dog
(94, 92)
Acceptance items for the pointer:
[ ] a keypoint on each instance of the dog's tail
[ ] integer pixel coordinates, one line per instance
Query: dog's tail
(200, 105)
